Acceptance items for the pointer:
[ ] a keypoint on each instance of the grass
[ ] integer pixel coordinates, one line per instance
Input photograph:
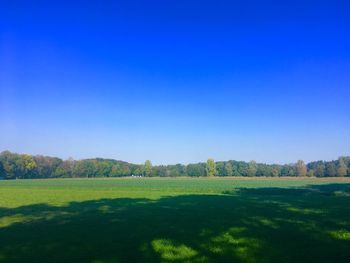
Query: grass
(175, 220)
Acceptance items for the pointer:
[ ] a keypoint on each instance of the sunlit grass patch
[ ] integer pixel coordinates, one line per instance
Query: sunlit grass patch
(306, 211)
(169, 251)
(104, 209)
(340, 234)
(341, 193)
(236, 243)
(267, 222)
(9, 220)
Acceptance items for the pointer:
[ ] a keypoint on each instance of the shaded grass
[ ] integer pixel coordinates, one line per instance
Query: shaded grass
(212, 221)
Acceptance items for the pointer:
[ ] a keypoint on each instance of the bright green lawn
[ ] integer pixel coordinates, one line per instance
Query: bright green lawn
(174, 220)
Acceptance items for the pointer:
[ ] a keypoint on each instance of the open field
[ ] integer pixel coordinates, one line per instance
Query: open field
(175, 220)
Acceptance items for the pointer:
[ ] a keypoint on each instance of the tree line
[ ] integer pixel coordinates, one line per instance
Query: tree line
(25, 166)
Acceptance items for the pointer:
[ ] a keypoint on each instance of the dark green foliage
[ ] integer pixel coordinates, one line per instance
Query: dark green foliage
(318, 168)
(46, 166)
(331, 169)
(311, 173)
(220, 168)
(228, 169)
(198, 169)
(2, 171)
(23, 166)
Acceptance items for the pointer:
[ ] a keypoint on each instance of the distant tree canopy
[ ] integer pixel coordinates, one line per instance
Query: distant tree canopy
(252, 168)
(24, 166)
(211, 167)
(147, 168)
(301, 168)
(342, 169)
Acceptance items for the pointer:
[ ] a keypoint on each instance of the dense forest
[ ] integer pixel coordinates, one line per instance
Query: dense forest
(25, 166)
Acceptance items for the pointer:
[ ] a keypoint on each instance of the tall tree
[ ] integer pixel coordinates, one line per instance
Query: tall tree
(311, 173)
(342, 169)
(252, 168)
(211, 167)
(26, 165)
(301, 168)
(46, 166)
(228, 169)
(147, 168)
(2, 171)
(291, 170)
(331, 169)
(196, 169)
(320, 169)
(275, 172)
(220, 168)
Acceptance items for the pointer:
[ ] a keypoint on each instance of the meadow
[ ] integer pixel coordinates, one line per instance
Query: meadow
(175, 220)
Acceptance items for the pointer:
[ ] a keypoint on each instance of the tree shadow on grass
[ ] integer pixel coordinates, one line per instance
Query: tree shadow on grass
(310, 224)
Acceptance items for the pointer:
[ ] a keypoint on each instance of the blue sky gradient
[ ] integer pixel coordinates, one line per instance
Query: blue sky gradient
(176, 81)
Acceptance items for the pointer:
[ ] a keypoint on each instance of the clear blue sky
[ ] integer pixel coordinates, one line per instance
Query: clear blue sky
(176, 81)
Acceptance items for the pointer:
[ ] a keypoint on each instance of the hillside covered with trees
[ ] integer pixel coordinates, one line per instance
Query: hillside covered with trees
(25, 166)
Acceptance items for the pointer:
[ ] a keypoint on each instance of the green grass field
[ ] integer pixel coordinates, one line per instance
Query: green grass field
(175, 220)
